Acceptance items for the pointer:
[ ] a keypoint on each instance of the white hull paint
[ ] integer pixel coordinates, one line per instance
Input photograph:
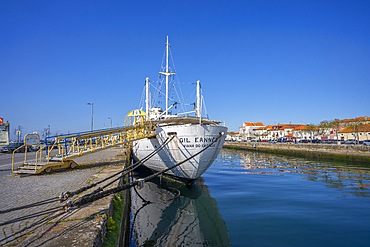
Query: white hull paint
(189, 139)
(192, 134)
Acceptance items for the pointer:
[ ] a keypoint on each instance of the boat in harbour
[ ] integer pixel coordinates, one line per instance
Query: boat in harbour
(195, 140)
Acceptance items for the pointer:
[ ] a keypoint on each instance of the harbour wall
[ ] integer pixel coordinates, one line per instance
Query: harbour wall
(324, 152)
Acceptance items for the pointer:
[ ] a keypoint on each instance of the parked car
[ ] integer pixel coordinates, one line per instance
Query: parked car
(281, 140)
(316, 141)
(332, 141)
(327, 141)
(13, 146)
(303, 141)
(350, 142)
(366, 142)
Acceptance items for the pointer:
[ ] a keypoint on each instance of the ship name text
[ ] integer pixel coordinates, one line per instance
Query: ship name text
(197, 141)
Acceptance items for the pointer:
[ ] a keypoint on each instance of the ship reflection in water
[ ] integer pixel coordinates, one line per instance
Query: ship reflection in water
(168, 213)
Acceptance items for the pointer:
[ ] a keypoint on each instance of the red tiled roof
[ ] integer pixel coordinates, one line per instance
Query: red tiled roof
(285, 126)
(253, 124)
(291, 126)
(361, 128)
(233, 133)
(358, 119)
(270, 127)
(300, 127)
(343, 127)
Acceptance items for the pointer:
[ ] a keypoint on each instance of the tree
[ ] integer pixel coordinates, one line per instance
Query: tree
(324, 127)
(335, 125)
(355, 124)
(312, 129)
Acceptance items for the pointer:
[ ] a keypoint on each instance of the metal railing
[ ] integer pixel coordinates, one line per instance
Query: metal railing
(63, 148)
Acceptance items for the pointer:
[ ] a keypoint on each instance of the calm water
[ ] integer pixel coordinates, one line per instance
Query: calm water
(250, 199)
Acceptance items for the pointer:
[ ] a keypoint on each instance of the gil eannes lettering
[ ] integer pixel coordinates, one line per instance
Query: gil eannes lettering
(197, 139)
(191, 142)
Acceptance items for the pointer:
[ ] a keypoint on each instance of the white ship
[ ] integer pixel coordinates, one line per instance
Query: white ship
(191, 133)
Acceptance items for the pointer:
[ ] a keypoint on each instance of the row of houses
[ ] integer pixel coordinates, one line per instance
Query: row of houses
(357, 129)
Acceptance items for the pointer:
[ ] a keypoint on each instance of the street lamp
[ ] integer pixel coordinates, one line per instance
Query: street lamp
(92, 115)
(110, 121)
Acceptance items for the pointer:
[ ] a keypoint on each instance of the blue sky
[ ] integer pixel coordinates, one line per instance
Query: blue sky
(270, 61)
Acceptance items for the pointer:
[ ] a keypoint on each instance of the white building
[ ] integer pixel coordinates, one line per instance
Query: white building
(250, 131)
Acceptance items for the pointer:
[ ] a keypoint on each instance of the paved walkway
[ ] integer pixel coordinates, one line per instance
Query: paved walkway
(80, 227)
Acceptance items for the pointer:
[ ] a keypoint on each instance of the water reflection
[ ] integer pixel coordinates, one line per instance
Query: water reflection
(350, 178)
(167, 213)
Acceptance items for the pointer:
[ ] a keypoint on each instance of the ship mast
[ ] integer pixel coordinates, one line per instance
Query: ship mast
(167, 74)
(147, 97)
(198, 109)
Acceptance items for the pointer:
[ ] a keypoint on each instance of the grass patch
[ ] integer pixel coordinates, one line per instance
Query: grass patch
(114, 222)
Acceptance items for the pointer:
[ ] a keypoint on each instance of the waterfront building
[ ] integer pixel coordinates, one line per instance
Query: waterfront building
(288, 132)
(300, 133)
(256, 131)
(358, 132)
(341, 130)
(232, 136)
(248, 131)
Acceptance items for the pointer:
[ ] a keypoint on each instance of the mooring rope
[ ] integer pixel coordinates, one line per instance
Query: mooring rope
(68, 194)
(33, 215)
(65, 195)
(140, 162)
(35, 204)
(36, 224)
(93, 197)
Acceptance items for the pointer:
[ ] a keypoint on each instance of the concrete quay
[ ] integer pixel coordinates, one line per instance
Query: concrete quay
(84, 226)
(325, 152)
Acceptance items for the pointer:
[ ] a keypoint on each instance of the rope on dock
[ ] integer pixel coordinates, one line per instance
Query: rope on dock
(35, 204)
(38, 223)
(30, 216)
(65, 195)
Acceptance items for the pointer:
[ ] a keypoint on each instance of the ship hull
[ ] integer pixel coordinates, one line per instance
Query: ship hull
(188, 140)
